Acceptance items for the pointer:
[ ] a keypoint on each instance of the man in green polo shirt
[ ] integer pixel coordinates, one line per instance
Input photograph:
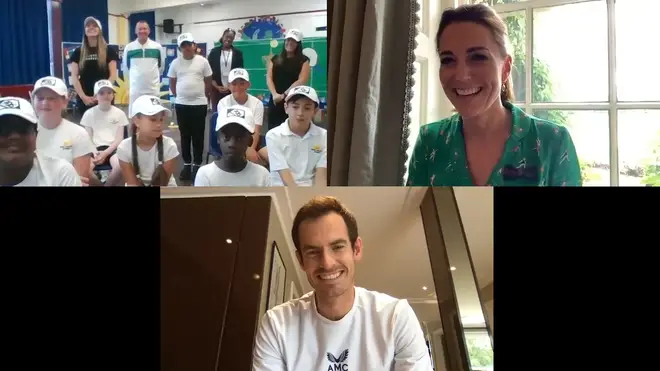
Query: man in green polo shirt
(537, 153)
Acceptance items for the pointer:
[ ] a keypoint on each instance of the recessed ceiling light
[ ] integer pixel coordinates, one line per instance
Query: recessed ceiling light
(228, 240)
(424, 288)
(452, 268)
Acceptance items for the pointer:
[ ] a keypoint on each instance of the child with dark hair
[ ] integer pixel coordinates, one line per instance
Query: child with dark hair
(235, 127)
(297, 149)
(147, 158)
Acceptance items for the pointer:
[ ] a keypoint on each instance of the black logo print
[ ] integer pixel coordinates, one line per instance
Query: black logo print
(337, 363)
(239, 72)
(48, 82)
(301, 90)
(296, 34)
(10, 104)
(235, 112)
(104, 84)
(155, 101)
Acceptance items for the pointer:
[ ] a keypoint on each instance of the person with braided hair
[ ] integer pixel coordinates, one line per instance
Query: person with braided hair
(148, 157)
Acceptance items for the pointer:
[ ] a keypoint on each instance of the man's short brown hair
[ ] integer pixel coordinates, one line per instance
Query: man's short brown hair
(321, 206)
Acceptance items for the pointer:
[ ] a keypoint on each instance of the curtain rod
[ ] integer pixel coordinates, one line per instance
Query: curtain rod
(265, 15)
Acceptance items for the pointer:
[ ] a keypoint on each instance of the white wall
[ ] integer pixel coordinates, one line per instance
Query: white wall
(240, 12)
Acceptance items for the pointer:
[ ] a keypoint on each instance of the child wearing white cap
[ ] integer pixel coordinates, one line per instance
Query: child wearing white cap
(58, 137)
(297, 149)
(20, 164)
(235, 127)
(147, 158)
(190, 81)
(239, 83)
(105, 124)
(285, 71)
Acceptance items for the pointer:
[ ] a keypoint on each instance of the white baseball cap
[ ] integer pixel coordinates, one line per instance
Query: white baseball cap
(102, 84)
(307, 91)
(92, 19)
(148, 105)
(17, 107)
(239, 73)
(235, 115)
(185, 37)
(55, 84)
(295, 34)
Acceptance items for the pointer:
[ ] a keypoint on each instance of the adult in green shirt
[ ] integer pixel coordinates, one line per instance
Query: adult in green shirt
(489, 142)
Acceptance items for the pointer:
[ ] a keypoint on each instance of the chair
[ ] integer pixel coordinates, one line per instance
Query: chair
(214, 149)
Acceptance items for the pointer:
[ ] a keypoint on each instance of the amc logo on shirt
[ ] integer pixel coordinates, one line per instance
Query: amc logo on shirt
(337, 363)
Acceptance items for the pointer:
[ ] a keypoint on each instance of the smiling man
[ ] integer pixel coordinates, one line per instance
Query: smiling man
(337, 327)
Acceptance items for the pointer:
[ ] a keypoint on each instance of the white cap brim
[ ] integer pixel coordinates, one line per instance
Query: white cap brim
(53, 89)
(314, 99)
(156, 110)
(92, 19)
(21, 114)
(222, 124)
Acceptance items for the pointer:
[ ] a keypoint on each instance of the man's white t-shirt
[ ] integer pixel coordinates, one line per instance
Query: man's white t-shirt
(51, 172)
(379, 333)
(253, 104)
(253, 175)
(301, 155)
(148, 160)
(104, 124)
(67, 141)
(189, 75)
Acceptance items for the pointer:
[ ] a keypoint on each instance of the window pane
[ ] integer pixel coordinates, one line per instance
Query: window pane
(639, 147)
(480, 350)
(636, 53)
(496, 2)
(570, 53)
(591, 135)
(515, 23)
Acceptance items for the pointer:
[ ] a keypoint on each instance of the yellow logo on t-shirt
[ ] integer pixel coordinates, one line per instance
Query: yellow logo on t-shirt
(67, 144)
(317, 148)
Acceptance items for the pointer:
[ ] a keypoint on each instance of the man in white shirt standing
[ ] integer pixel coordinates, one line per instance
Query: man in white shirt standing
(239, 83)
(20, 165)
(190, 81)
(143, 62)
(337, 327)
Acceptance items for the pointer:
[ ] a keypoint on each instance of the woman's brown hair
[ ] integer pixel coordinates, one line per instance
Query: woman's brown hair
(483, 15)
(101, 51)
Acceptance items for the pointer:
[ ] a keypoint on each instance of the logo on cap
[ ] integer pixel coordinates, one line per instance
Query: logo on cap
(104, 84)
(238, 72)
(48, 82)
(155, 101)
(235, 112)
(10, 104)
(301, 90)
(295, 33)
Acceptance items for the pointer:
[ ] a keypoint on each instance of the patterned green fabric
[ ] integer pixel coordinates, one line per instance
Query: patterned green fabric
(538, 153)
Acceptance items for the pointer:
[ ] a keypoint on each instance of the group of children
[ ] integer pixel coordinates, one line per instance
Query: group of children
(296, 149)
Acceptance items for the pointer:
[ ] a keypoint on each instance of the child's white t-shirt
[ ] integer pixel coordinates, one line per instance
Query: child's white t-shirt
(104, 124)
(67, 141)
(190, 75)
(300, 155)
(253, 175)
(379, 333)
(51, 172)
(148, 160)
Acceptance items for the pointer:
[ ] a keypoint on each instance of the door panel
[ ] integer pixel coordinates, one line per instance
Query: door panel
(197, 264)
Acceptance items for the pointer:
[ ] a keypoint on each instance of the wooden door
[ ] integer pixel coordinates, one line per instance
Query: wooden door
(197, 263)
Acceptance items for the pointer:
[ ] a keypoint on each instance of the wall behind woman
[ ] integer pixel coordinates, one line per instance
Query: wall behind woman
(74, 13)
(315, 16)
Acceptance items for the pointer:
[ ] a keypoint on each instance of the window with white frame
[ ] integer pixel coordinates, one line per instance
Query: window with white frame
(480, 349)
(587, 65)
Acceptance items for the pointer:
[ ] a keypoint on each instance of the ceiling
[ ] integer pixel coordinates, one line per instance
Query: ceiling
(395, 258)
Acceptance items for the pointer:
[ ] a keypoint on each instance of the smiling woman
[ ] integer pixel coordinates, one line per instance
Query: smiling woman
(489, 141)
